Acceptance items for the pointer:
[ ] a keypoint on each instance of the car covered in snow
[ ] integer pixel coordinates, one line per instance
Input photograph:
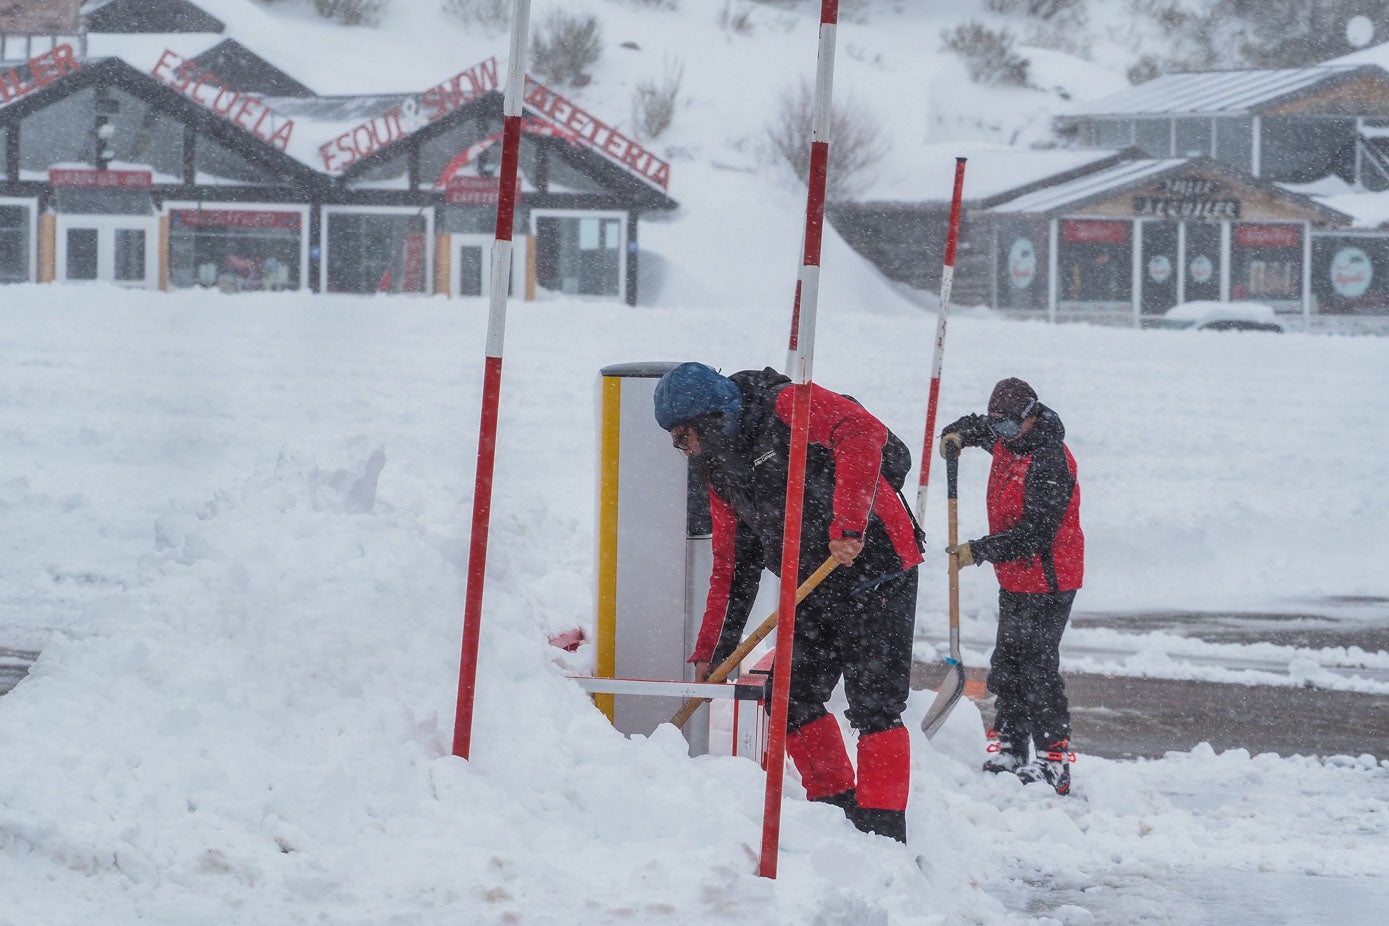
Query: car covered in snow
(1210, 315)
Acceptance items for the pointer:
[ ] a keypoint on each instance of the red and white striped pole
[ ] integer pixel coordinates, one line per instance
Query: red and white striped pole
(947, 278)
(802, 350)
(492, 376)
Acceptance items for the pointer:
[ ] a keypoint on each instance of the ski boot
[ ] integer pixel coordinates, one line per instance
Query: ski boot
(1004, 756)
(1052, 765)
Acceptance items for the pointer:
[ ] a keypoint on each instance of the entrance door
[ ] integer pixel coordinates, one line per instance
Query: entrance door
(1202, 262)
(580, 254)
(108, 249)
(1159, 267)
(471, 268)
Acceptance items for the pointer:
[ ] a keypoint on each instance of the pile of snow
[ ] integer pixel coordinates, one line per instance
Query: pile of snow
(237, 530)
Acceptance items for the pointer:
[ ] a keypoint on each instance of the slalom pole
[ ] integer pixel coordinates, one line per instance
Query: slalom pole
(947, 278)
(802, 350)
(492, 377)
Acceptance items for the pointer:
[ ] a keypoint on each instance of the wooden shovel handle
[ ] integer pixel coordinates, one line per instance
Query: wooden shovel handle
(757, 636)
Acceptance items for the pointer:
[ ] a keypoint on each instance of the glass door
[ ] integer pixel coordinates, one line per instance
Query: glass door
(107, 249)
(1160, 267)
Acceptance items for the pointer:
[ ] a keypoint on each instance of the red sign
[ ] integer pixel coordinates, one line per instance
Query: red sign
(459, 90)
(212, 92)
(43, 70)
(1093, 232)
(567, 114)
(101, 179)
(233, 218)
(473, 191)
(1268, 236)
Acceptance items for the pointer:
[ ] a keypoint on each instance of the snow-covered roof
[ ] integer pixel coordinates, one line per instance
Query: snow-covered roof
(1221, 92)
(990, 170)
(1088, 187)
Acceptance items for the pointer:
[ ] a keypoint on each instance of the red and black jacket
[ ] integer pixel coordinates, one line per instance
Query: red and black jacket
(845, 490)
(1035, 542)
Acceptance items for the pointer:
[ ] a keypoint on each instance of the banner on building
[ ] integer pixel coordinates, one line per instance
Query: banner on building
(40, 17)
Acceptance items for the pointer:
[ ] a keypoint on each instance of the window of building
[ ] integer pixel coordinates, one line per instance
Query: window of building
(1095, 266)
(82, 244)
(14, 244)
(1350, 275)
(1301, 149)
(372, 252)
(1266, 265)
(235, 249)
(145, 135)
(1113, 133)
(1022, 264)
(1154, 136)
(438, 152)
(215, 163)
(1234, 143)
(60, 133)
(391, 174)
(1193, 138)
(579, 255)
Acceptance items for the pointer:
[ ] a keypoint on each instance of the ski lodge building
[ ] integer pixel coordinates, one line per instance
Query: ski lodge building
(148, 149)
(1267, 186)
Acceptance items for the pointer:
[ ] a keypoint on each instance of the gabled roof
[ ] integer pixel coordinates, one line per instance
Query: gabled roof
(1230, 93)
(245, 70)
(1091, 189)
(143, 16)
(119, 73)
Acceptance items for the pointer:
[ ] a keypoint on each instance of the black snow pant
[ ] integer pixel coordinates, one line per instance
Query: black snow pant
(864, 635)
(1025, 671)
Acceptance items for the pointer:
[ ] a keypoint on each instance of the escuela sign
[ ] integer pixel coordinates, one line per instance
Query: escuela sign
(39, 17)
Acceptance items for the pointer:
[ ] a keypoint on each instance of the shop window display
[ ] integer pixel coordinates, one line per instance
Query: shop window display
(234, 250)
(372, 252)
(1095, 266)
(1266, 265)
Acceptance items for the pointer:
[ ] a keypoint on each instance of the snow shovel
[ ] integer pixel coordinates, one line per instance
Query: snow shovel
(954, 684)
(757, 636)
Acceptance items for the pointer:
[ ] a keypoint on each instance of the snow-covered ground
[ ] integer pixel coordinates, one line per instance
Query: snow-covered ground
(236, 527)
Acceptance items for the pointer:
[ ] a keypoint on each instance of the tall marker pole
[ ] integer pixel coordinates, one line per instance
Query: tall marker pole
(947, 278)
(802, 351)
(953, 685)
(492, 376)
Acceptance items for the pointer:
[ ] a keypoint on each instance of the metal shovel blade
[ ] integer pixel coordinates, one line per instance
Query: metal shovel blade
(951, 687)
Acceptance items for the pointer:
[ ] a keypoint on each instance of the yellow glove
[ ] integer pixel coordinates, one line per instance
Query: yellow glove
(963, 551)
(951, 444)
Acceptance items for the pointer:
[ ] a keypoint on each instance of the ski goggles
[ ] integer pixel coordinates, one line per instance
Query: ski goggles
(1010, 427)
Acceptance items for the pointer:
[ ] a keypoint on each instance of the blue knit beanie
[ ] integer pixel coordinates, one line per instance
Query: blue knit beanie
(691, 390)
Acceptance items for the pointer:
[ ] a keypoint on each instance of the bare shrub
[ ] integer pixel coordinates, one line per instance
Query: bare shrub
(351, 12)
(988, 54)
(491, 14)
(565, 46)
(654, 101)
(857, 142)
(736, 17)
(1037, 9)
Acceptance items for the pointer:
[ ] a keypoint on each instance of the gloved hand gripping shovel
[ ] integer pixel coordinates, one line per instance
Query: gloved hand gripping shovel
(954, 684)
(726, 667)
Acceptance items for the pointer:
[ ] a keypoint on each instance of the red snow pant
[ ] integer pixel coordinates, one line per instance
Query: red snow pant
(863, 635)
